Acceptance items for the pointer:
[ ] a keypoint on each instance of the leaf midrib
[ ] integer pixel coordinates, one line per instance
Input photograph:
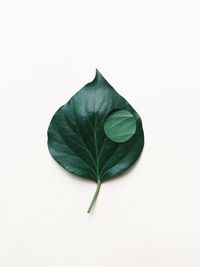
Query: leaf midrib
(95, 133)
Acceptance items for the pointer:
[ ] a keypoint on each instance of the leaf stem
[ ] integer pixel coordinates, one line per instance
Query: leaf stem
(95, 196)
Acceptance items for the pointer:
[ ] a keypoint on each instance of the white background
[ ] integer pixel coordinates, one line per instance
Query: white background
(150, 52)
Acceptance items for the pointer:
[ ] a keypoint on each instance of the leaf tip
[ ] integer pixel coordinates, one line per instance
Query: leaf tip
(98, 74)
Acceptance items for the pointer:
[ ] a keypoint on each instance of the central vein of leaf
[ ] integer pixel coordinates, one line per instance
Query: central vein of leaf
(95, 134)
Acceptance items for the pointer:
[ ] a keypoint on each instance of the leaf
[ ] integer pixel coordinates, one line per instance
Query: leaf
(120, 125)
(96, 134)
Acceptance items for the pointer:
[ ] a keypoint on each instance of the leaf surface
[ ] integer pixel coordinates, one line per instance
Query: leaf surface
(78, 137)
(120, 125)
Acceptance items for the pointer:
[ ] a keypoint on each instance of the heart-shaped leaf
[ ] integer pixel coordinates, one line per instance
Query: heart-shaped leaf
(96, 134)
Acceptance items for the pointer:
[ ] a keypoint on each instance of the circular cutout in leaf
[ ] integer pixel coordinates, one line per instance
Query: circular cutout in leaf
(77, 140)
(120, 125)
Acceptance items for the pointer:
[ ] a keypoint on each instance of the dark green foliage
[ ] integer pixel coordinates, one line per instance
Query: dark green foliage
(76, 136)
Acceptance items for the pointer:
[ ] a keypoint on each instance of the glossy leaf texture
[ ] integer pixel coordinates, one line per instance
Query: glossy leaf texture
(120, 125)
(77, 139)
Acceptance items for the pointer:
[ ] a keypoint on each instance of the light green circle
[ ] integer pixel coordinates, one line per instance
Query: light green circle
(120, 126)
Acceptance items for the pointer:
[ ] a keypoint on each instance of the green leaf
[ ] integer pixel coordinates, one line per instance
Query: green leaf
(120, 125)
(96, 134)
